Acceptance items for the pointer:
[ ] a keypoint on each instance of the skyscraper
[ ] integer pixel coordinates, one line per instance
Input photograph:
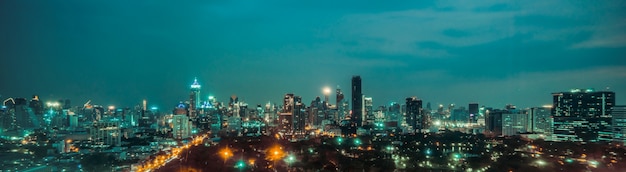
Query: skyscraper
(181, 128)
(194, 98)
(285, 119)
(619, 123)
(583, 115)
(357, 101)
(473, 112)
(299, 116)
(541, 120)
(514, 123)
(343, 107)
(493, 121)
(369, 110)
(413, 114)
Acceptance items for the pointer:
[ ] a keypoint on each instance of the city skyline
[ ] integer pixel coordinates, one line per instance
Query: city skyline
(492, 53)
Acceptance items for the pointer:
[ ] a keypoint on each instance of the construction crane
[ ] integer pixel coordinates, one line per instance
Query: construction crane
(87, 105)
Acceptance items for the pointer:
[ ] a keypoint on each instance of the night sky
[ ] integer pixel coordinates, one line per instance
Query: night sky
(119, 52)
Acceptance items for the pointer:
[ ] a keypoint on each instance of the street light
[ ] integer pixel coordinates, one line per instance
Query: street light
(274, 154)
(357, 141)
(226, 153)
(339, 140)
(240, 165)
(290, 159)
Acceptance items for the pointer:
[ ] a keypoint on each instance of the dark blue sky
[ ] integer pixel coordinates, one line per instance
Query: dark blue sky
(491, 52)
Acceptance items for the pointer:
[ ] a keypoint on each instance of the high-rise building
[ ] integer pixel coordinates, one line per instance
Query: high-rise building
(583, 115)
(619, 123)
(493, 121)
(413, 114)
(285, 118)
(357, 101)
(299, 116)
(368, 106)
(36, 106)
(194, 99)
(288, 103)
(541, 120)
(340, 108)
(181, 127)
(106, 132)
(25, 118)
(514, 123)
(394, 113)
(473, 112)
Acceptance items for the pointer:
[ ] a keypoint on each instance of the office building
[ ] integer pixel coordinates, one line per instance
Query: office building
(473, 112)
(368, 110)
(285, 118)
(341, 110)
(514, 123)
(106, 132)
(299, 116)
(619, 123)
(194, 99)
(181, 127)
(413, 115)
(394, 113)
(583, 115)
(493, 121)
(541, 120)
(357, 101)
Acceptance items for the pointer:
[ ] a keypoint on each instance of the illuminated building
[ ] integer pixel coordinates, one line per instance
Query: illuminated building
(394, 113)
(36, 106)
(493, 121)
(341, 109)
(285, 119)
(316, 112)
(368, 106)
(181, 127)
(106, 132)
(7, 115)
(299, 116)
(25, 118)
(583, 115)
(194, 99)
(514, 123)
(473, 112)
(619, 122)
(357, 101)
(459, 115)
(413, 115)
(541, 120)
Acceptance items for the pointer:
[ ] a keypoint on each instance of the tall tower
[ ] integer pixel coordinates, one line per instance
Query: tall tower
(299, 116)
(473, 112)
(357, 101)
(194, 98)
(414, 117)
(340, 106)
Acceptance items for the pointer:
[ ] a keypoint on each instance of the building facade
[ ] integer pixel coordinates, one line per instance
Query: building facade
(357, 101)
(583, 115)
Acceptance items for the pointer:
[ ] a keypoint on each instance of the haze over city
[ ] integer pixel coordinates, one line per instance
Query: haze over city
(491, 52)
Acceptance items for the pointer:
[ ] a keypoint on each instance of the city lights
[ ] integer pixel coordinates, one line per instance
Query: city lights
(298, 86)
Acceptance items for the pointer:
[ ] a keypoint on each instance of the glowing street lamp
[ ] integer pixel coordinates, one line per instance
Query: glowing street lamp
(275, 153)
(240, 165)
(290, 159)
(226, 153)
(357, 141)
